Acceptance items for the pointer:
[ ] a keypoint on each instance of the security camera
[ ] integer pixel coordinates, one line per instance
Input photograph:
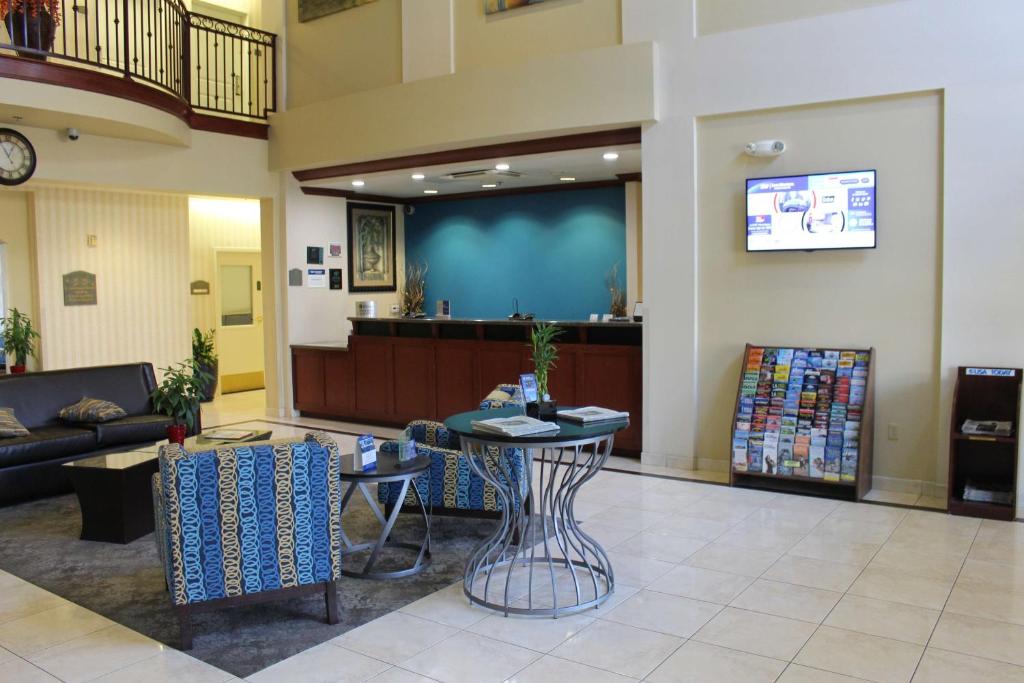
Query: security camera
(72, 134)
(409, 209)
(765, 148)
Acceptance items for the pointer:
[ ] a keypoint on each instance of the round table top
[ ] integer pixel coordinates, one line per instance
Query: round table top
(462, 424)
(387, 467)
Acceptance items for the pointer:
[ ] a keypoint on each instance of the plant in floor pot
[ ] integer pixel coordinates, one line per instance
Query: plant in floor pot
(19, 339)
(178, 396)
(545, 353)
(205, 356)
(31, 24)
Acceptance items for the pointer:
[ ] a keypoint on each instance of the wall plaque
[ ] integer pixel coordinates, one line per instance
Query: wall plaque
(295, 277)
(79, 288)
(335, 278)
(199, 287)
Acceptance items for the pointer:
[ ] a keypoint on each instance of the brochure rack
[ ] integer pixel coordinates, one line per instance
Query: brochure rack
(804, 421)
(987, 462)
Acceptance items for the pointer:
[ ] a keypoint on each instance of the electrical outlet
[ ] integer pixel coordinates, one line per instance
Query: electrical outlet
(894, 432)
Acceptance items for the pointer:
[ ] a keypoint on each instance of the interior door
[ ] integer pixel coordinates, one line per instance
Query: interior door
(240, 320)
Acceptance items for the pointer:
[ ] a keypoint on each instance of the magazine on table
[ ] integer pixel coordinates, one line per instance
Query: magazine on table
(519, 425)
(229, 434)
(592, 414)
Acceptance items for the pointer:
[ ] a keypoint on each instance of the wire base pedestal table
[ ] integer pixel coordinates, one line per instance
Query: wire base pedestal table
(538, 561)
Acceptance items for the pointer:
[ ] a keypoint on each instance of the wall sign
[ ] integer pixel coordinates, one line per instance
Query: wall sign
(315, 255)
(335, 278)
(295, 277)
(199, 287)
(992, 372)
(316, 277)
(79, 288)
(335, 250)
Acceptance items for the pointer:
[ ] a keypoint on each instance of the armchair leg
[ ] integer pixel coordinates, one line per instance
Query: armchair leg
(185, 623)
(331, 595)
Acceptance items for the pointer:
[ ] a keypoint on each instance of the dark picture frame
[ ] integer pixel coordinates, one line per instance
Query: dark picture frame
(371, 248)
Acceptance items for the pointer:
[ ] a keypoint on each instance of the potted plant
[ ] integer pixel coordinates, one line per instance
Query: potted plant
(413, 292)
(178, 397)
(31, 24)
(19, 339)
(545, 353)
(206, 359)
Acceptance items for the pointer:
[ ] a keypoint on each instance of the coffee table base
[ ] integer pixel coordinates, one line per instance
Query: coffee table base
(382, 543)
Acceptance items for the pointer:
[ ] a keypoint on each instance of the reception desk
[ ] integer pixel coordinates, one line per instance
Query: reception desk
(395, 370)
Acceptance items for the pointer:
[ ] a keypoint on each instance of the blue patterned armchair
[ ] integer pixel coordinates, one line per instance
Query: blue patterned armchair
(249, 523)
(452, 486)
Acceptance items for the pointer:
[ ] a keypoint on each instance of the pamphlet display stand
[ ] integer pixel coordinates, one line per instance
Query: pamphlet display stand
(983, 466)
(804, 421)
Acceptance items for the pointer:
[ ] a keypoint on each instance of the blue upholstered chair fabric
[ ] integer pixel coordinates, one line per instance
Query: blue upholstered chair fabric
(248, 518)
(452, 484)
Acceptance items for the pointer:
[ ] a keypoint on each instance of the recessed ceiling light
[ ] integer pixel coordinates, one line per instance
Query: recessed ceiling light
(502, 167)
(567, 179)
(611, 156)
(358, 183)
(418, 176)
(429, 191)
(489, 185)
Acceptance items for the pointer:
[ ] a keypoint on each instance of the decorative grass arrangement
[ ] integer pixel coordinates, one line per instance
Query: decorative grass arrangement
(414, 289)
(617, 306)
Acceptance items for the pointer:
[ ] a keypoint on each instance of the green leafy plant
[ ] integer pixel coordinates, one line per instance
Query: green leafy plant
(19, 336)
(617, 306)
(545, 353)
(413, 292)
(202, 347)
(180, 391)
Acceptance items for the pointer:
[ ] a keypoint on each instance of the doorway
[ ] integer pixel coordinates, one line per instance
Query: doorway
(240, 319)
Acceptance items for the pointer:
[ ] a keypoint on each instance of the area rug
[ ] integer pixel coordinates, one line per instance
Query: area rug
(125, 583)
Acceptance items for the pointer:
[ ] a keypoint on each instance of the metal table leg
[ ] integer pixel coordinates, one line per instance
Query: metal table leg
(381, 543)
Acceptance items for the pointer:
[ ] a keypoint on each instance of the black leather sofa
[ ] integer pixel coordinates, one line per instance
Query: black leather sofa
(30, 466)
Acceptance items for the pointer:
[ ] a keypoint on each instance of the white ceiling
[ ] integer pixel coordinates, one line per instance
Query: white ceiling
(585, 165)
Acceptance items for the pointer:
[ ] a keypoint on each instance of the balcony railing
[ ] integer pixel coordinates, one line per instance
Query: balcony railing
(212, 65)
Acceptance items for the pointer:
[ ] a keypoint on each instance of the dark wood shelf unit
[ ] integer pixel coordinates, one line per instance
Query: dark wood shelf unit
(816, 486)
(984, 393)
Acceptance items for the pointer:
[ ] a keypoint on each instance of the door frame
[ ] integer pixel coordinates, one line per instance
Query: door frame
(257, 311)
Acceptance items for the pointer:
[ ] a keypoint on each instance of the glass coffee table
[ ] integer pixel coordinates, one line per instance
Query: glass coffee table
(114, 492)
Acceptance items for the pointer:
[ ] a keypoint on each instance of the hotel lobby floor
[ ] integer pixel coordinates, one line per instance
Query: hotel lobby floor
(713, 584)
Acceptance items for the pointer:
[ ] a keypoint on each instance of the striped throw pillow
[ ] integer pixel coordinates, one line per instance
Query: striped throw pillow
(92, 410)
(9, 425)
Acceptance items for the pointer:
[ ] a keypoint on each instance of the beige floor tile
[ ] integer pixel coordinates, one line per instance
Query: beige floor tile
(824, 547)
(798, 673)
(548, 669)
(394, 637)
(866, 512)
(671, 614)
(787, 600)
(659, 500)
(818, 507)
(96, 654)
(730, 558)
(608, 536)
(448, 606)
(892, 497)
(807, 571)
(542, 635)
(469, 658)
(397, 675)
(618, 648)
(19, 671)
(856, 530)
(883, 618)
(759, 634)
(767, 540)
(698, 662)
(660, 545)
(702, 584)
(886, 583)
(692, 527)
(1003, 532)
(5, 655)
(637, 571)
(987, 603)
(933, 522)
(997, 551)
(629, 518)
(22, 599)
(856, 654)
(719, 510)
(940, 666)
(992, 576)
(322, 664)
(980, 638)
(31, 634)
(169, 666)
(932, 503)
(929, 564)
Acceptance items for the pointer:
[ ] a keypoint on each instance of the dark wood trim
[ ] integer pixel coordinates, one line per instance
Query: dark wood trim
(630, 177)
(127, 89)
(352, 194)
(537, 189)
(558, 143)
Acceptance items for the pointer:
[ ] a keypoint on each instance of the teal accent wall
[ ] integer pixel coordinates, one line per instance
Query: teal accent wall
(552, 250)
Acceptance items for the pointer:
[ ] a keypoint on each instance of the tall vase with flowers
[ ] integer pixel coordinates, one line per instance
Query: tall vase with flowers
(32, 25)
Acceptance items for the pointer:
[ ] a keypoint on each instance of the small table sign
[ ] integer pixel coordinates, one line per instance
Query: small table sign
(366, 453)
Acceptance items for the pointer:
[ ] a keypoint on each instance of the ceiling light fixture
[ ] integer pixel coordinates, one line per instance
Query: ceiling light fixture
(502, 167)
(429, 191)
(489, 185)
(611, 156)
(358, 183)
(418, 176)
(567, 179)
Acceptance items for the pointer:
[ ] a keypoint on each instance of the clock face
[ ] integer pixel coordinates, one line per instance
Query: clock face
(17, 157)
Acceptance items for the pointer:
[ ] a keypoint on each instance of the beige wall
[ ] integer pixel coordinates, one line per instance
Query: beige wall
(714, 16)
(553, 27)
(14, 234)
(345, 52)
(141, 267)
(216, 224)
(887, 298)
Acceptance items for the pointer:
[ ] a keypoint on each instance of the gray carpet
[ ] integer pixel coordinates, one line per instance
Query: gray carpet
(39, 543)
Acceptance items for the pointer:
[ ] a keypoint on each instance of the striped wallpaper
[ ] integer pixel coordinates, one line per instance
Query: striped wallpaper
(141, 263)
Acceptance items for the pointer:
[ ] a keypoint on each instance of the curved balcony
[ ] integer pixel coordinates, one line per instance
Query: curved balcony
(213, 74)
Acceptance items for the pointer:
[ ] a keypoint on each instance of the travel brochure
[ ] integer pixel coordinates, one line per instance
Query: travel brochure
(799, 413)
(519, 425)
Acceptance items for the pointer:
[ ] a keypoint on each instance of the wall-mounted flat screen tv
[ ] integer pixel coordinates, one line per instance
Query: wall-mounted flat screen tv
(807, 212)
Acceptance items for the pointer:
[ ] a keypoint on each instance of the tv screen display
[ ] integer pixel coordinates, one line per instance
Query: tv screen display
(806, 212)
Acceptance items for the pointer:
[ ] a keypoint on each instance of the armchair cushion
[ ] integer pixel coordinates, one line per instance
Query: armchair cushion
(495, 399)
(432, 433)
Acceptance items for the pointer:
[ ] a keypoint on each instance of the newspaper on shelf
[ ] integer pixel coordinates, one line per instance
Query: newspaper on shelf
(592, 414)
(987, 428)
(519, 425)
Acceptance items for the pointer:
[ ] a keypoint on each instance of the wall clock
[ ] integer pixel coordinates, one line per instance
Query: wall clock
(17, 157)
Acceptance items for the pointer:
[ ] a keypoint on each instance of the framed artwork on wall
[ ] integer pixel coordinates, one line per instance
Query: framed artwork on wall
(371, 248)
(314, 9)
(495, 6)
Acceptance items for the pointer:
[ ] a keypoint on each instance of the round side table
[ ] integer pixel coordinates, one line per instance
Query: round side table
(387, 470)
(539, 562)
